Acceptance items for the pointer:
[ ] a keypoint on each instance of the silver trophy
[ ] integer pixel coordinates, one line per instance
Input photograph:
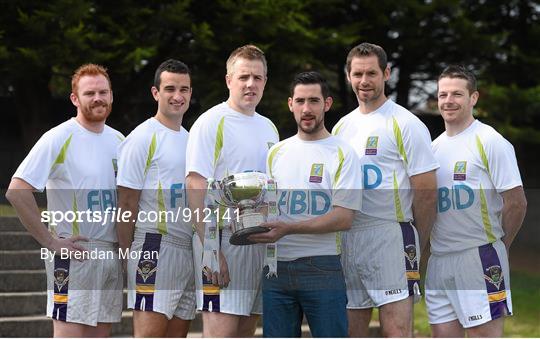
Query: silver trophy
(245, 192)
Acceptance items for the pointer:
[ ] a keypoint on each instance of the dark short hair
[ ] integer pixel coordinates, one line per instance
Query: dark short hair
(366, 49)
(173, 66)
(460, 72)
(310, 78)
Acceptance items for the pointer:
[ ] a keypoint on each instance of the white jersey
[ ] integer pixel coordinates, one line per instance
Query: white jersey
(153, 159)
(313, 176)
(224, 142)
(78, 168)
(393, 145)
(476, 166)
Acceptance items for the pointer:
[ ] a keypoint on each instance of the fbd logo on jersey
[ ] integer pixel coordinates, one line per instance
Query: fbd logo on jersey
(316, 173)
(371, 145)
(460, 170)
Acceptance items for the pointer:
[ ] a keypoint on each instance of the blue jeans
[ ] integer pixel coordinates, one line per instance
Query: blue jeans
(313, 286)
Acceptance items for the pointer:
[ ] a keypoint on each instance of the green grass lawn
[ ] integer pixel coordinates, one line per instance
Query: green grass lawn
(526, 304)
(7, 211)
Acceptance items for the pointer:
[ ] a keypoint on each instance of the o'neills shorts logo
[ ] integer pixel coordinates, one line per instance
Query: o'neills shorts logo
(460, 170)
(316, 173)
(371, 145)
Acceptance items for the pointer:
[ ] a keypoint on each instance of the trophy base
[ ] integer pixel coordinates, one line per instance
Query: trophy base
(240, 237)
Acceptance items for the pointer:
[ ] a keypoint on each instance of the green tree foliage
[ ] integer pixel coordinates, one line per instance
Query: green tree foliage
(41, 43)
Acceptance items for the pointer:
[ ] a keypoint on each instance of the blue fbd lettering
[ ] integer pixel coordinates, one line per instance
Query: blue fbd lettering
(372, 176)
(177, 192)
(444, 202)
(458, 196)
(461, 197)
(304, 202)
(298, 202)
(100, 200)
(317, 197)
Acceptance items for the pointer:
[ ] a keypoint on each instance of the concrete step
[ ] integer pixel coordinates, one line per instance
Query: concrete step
(10, 224)
(23, 281)
(17, 240)
(21, 259)
(19, 304)
(41, 326)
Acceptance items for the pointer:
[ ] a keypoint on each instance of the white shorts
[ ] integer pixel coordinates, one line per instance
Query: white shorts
(161, 280)
(472, 286)
(243, 296)
(86, 292)
(380, 262)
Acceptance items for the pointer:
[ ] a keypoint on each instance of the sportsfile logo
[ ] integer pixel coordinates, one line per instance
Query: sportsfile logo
(371, 145)
(316, 173)
(460, 170)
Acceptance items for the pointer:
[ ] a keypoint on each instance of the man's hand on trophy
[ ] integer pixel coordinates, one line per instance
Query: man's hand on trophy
(278, 229)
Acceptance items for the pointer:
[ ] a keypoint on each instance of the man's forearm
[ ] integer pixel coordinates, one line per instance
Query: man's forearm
(27, 209)
(424, 186)
(128, 202)
(513, 214)
(197, 186)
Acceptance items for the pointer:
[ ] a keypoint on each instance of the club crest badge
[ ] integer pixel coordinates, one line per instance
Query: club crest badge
(460, 170)
(494, 275)
(371, 145)
(316, 173)
(61, 277)
(146, 269)
(410, 254)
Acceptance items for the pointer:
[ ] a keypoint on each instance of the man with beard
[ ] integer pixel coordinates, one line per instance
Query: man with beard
(381, 252)
(151, 178)
(76, 162)
(318, 177)
(227, 139)
(481, 207)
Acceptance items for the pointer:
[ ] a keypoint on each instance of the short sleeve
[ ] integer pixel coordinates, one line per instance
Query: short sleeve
(134, 156)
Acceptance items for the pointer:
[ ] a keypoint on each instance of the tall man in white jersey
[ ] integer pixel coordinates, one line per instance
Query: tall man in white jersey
(481, 207)
(230, 138)
(317, 174)
(76, 162)
(381, 251)
(151, 179)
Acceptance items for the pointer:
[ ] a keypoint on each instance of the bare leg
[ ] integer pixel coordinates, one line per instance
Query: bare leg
(247, 326)
(493, 328)
(220, 325)
(396, 318)
(178, 328)
(359, 322)
(451, 329)
(149, 324)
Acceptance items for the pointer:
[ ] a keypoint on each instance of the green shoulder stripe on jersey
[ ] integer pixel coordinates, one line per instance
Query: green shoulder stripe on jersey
(121, 138)
(397, 201)
(162, 219)
(341, 158)
(61, 157)
(336, 129)
(271, 158)
(274, 128)
(399, 140)
(488, 228)
(75, 225)
(219, 141)
(482, 153)
(151, 152)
